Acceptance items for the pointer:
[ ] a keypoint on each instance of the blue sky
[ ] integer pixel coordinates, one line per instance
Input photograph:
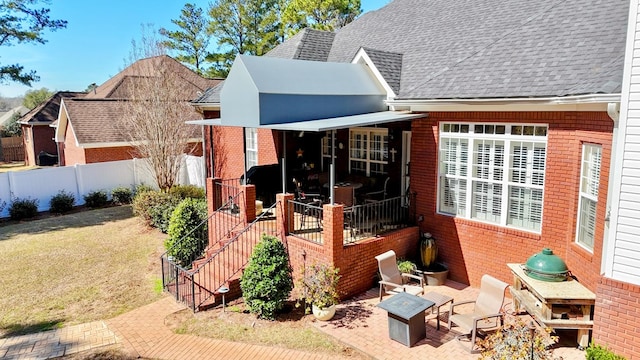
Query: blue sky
(96, 42)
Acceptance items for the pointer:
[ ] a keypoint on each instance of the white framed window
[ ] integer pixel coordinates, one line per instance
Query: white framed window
(251, 156)
(368, 151)
(588, 198)
(493, 173)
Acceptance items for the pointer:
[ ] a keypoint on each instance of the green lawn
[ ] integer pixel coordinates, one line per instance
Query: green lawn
(76, 268)
(15, 166)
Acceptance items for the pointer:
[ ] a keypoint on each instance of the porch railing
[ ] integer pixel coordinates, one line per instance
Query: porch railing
(307, 220)
(197, 286)
(226, 190)
(374, 218)
(222, 224)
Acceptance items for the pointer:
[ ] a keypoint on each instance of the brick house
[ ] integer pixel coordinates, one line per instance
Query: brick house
(37, 134)
(85, 131)
(512, 136)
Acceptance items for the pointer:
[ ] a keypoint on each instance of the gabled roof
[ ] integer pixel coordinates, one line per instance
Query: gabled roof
(117, 86)
(47, 112)
(495, 48)
(94, 121)
(262, 91)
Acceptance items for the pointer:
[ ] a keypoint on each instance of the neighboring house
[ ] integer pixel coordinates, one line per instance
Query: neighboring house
(506, 111)
(85, 130)
(5, 117)
(37, 134)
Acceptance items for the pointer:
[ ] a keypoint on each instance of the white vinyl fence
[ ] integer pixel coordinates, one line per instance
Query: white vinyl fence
(79, 180)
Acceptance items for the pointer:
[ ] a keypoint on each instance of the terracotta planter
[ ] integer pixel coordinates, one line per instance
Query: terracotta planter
(323, 314)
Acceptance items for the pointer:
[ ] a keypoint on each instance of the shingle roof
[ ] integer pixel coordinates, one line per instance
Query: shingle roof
(307, 44)
(95, 120)
(117, 86)
(389, 65)
(495, 48)
(47, 112)
(212, 95)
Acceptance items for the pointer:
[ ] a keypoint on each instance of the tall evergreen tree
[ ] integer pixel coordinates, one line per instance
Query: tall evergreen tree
(320, 14)
(191, 40)
(242, 27)
(21, 22)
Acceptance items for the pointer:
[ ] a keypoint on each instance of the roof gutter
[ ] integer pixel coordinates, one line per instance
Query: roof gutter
(592, 102)
(613, 110)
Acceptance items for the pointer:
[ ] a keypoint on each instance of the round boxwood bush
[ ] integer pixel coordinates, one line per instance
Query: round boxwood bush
(187, 232)
(23, 208)
(61, 202)
(122, 195)
(266, 282)
(161, 213)
(187, 191)
(144, 202)
(96, 199)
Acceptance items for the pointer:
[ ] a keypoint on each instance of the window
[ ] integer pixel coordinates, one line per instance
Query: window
(493, 173)
(368, 151)
(251, 156)
(588, 201)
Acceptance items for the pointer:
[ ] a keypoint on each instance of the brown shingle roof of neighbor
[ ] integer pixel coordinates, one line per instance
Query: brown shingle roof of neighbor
(116, 87)
(93, 115)
(47, 112)
(93, 120)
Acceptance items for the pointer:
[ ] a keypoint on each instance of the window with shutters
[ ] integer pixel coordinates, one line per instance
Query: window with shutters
(493, 173)
(588, 201)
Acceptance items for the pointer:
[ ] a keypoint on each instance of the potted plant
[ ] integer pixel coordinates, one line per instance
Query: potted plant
(435, 273)
(320, 290)
(407, 267)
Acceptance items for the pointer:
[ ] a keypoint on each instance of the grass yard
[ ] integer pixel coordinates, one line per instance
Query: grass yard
(76, 268)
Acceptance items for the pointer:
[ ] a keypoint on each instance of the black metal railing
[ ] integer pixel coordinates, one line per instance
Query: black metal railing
(197, 286)
(374, 218)
(226, 191)
(307, 220)
(175, 270)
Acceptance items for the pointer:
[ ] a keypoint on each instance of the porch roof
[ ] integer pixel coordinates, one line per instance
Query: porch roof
(342, 122)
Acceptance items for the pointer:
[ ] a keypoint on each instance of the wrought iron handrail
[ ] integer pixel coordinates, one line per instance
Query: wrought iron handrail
(307, 221)
(202, 282)
(374, 218)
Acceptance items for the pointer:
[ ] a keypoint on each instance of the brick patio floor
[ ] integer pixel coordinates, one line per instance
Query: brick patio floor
(142, 333)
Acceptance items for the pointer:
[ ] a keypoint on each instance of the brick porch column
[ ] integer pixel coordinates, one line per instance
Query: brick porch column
(248, 209)
(213, 201)
(332, 234)
(284, 214)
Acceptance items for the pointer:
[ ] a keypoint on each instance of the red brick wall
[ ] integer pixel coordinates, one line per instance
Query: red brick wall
(43, 141)
(229, 159)
(616, 317)
(27, 141)
(72, 153)
(97, 155)
(472, 248)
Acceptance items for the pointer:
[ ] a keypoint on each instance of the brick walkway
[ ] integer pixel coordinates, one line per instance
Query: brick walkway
(142, 333)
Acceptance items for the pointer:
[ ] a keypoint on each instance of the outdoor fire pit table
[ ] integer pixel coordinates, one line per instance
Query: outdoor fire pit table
(405, 314)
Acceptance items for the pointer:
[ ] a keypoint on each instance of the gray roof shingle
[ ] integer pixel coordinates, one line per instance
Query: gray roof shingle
(389, 65)
(495, 48)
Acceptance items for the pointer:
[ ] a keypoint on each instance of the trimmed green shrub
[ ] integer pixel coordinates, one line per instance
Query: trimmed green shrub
(597, 352)
(23, 208)
(96, 199)
(61, 202)
(187, 235)
(187, 191)
(141, 189)
(266, 282)
(161, 213)
(144, 202)
(122, 195)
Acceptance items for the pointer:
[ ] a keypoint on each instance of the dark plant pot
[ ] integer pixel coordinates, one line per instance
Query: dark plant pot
(436, 275)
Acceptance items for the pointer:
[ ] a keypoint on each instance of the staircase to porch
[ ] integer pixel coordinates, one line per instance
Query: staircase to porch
(231, 241)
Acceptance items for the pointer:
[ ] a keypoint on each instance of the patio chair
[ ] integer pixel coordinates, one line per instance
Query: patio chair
(392, 279)
(487, 312)
(345, 195)
(378, 195)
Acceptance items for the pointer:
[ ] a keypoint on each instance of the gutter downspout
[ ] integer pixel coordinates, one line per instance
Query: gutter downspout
(613, 110)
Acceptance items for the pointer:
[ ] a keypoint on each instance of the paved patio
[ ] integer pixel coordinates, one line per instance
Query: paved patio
(358, 323)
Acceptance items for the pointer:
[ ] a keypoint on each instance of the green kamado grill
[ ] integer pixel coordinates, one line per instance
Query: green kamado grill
(546, 266)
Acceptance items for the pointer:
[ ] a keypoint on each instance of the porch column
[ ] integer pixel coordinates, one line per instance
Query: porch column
(284, 214)
(248, 209)
(213, 203)
(332, 230)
